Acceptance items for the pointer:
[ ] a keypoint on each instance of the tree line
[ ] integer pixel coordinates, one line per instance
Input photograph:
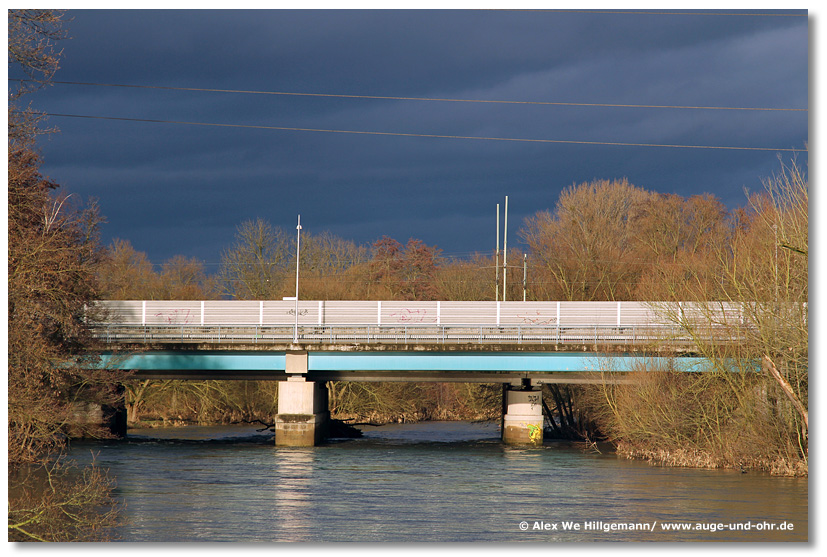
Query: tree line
(604, 240)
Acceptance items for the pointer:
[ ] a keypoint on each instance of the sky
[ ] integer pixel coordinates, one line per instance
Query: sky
(171, 187)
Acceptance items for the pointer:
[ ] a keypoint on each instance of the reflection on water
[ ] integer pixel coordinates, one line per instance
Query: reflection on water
(293, 478)
(423, 482)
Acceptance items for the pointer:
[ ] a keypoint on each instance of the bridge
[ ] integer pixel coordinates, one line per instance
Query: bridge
(306, 343)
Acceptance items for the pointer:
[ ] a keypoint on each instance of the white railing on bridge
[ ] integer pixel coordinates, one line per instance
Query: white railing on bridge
(336, 322)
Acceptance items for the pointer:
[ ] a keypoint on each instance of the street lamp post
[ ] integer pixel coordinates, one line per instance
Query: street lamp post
(298, 243)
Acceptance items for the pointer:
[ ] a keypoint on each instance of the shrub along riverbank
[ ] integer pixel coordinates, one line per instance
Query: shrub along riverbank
(703, 420)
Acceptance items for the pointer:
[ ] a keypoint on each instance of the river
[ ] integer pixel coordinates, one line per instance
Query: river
(432, 481)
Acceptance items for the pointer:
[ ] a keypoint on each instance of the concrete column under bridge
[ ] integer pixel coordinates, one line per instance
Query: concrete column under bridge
(302, 406)
(522, 414)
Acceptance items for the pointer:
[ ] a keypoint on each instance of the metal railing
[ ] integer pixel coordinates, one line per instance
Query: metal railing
(401, 334)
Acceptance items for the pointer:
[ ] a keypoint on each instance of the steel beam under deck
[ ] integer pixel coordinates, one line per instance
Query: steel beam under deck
(486, 367)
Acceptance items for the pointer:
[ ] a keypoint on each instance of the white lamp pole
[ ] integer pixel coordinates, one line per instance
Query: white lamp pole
(298, 243)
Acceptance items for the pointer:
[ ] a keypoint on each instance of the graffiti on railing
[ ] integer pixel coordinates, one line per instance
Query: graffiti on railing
(301, 312)
(406, 315)
(176, 316)
(537, 319)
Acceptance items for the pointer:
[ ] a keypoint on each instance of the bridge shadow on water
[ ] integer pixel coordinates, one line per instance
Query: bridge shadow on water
(436, 434)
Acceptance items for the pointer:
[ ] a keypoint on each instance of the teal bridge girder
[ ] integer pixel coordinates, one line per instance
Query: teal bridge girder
(439, 366)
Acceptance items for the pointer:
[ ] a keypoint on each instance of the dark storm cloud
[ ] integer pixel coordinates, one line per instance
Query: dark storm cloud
(183, 189)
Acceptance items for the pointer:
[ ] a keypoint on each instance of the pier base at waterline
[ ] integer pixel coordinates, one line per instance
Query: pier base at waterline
(302, 413)
(522, 415)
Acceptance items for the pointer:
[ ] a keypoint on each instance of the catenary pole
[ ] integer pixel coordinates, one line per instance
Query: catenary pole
(497, 263)
(505, 247)
(298, 243)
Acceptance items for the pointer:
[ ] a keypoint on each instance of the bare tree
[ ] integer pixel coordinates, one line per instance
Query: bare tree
(32, 45)
(256, 267)
(330, 267)
(32, 52)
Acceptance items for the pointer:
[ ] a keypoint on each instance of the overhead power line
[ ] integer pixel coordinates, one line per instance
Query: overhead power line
(432, 99)
(645, 12)
(428, 135)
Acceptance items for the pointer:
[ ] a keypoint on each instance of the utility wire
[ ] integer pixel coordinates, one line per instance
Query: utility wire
(429, 135)
(434, 99)
(643, 12)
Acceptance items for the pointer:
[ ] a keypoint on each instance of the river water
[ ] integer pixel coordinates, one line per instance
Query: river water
(433, 481)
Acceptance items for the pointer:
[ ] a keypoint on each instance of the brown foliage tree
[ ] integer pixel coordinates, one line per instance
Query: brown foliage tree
(127, 274)
(184, 278)
(262, 265)
(408, 273)
(174, 401)
(470, 280)
(676, 239)
(584, 250)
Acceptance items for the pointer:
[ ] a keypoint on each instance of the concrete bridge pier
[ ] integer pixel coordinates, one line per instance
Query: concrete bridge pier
(522, 414)
(303, 407)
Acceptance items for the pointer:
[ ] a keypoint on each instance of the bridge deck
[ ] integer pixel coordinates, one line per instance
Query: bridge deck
(275, 335)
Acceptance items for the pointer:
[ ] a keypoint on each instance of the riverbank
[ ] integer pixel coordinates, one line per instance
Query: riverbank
(693, 458)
